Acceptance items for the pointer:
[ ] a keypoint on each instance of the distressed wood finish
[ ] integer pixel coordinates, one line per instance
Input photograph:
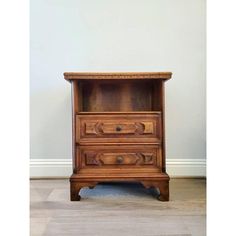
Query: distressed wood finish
(118, 129)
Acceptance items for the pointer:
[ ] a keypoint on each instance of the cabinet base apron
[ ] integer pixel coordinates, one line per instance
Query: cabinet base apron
(159, 184)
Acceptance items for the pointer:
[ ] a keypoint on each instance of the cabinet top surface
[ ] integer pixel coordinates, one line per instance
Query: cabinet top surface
(117, 75)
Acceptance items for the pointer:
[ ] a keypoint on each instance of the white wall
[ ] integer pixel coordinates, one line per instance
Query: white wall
(124, 35)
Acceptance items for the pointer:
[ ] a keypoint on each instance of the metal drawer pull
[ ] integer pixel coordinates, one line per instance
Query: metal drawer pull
(118, 128)
(119, 159)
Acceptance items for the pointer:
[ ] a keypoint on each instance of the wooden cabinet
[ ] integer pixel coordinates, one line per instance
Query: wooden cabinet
(118, 129)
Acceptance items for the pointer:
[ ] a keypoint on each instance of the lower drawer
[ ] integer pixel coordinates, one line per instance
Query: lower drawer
(119, 156)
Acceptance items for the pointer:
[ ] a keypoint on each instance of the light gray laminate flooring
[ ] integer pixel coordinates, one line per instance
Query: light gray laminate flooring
(112, 209)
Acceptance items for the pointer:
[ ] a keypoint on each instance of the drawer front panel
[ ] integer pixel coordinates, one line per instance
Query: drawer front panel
(118, 128)
(116, 156)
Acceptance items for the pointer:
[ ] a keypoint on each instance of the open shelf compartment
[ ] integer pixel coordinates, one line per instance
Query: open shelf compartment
(119, 96)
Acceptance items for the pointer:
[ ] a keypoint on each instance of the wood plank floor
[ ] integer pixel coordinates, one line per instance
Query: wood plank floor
(112, 209)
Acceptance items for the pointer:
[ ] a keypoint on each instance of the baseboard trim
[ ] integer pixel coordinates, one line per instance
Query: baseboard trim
(62, 168)
(186, 167)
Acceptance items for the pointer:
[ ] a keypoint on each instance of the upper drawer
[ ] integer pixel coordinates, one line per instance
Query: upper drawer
(115, 128)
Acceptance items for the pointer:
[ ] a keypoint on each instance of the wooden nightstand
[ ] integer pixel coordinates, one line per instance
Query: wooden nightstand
(118, 129)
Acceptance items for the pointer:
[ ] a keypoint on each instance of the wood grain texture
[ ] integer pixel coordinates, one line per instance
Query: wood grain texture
(119, 156)
(117, 95)
(75, 94)
(118, 129)
(117, 75)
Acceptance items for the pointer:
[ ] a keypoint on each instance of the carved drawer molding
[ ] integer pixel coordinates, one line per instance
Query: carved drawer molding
(118, 128)
(101, 159)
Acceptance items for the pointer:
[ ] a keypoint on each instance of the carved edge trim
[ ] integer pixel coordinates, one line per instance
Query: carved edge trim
(114, 75)
(139, 129)
(141, 159)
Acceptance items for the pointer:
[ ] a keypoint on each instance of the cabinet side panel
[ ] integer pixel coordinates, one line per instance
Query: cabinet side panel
(157, 96)
(75, 109)
(163, 126)
(159, 105)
